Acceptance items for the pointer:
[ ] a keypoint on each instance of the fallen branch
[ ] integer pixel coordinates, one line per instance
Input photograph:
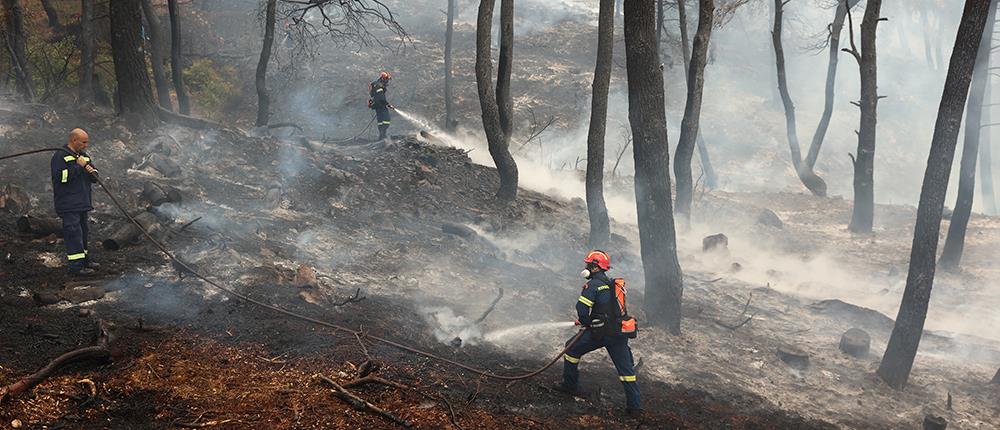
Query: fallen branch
(97, 352)
(354, 299)
(360, 404)
(492, 306)
(185, 226)
(742, 323)
(370, 379)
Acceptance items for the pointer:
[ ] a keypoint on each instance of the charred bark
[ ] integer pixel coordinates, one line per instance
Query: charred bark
(263, 98)
(906, 333)
(449, 92)
(659, 21)
(176, 63)
(647, 116)
(954, 244)
(692, 109)
(812, 181)
(156, 54)
(706, 162)
(51, 15)
(129, 233)
(39, 227)
(86, 92)
(597, 209)
(863, 215)
(496, 118)
(134, 94)
(831, 79)
(16, 41)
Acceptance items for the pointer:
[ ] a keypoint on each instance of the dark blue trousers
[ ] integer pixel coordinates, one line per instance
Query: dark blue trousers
(621, 356)
(384, 119)
(75, 233)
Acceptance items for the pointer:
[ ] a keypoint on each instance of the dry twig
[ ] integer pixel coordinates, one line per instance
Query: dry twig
(97, 352)
(360, 404)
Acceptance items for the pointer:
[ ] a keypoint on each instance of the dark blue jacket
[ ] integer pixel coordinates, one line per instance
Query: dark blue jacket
(71, 184)
(377, 92)
(596, 297)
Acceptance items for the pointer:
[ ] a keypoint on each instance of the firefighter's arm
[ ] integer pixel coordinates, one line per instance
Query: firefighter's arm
(65, 169)
(583, 305)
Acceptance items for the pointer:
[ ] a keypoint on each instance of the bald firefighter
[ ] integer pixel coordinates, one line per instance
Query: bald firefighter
(603, 313)
(72, 178)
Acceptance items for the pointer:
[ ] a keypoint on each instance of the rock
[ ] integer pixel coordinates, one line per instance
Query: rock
(165, 165)
(715, 241)
(309, 297)
(855, 342)
(162, 145)
(14, 199)
(996, 378)
(456, 342)
(768, 218)
(457, 230)
(15, 423)
(84, 312)
(81, 295)
(735, 267)
(932, 422)
(45, 299)
(305, 277)
(794, 357)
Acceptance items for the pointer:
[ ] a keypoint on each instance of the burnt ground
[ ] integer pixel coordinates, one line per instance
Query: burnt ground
(365, 216)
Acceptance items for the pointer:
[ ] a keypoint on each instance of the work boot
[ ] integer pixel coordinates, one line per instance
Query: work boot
(635, 413)
(92, 265)
(82, 272)
(563, 388)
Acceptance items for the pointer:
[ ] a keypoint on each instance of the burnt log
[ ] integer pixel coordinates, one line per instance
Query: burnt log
(165, 165)
(932, 422)
(14, 199)
(794, 357)
(457, 230)
(769, 218)
(855, 342)
(130, 233)
(157, 195)
(715, 241)
(996, 378)
(39, 227)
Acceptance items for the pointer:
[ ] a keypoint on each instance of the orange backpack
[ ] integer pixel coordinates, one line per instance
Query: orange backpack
(624, 324)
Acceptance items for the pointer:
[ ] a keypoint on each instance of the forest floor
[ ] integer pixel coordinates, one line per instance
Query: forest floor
(370, 217)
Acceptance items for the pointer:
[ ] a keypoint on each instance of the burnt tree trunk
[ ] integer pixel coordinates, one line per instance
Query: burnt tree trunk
(831, 80)
(156, 55)
(505, 68)
(263, 99)
(449, 92)
(863, 215)
(647, 116)
(176, 64)
(51, 15)
(692, 109)
(16, 47)
(986, 157)
(706, 162)
(496, 121)
(902, 348)
(954, 244)
(86, 51)
(597, 209)
(134, 94)
(659, 21)
(813, 182)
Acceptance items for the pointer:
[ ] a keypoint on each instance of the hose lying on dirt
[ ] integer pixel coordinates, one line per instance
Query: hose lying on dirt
(298, 316)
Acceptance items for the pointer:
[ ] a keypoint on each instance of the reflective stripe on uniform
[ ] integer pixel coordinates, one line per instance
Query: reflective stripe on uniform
(571, 358)
(65, 175)
(69, 158)
(380, 90)
(586, 301)
(384, 122)
(603, 287)
(79, 256)
(630, 378)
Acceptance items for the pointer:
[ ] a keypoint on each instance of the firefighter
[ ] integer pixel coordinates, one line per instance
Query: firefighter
(72, 178)
(378, 101)
(602, 312)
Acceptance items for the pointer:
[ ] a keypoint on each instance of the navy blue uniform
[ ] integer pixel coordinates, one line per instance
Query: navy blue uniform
(597, 297)
(381, 105)
(71, 190)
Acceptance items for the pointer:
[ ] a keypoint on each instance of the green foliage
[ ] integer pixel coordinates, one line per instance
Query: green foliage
(211, 86)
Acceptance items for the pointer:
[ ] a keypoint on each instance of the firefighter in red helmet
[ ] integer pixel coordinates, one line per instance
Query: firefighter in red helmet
(602, 311)
(378, 101)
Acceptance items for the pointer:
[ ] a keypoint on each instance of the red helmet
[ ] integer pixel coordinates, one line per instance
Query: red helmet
(599, 258)
(384, 76)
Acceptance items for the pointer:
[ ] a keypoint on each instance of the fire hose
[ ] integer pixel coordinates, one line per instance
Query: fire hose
(357, 333)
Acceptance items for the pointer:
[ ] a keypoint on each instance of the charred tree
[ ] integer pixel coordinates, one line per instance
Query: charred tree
(156, 54)
(176, 64)
(647, 116)
(811, 180)
(706, 162)
(52, 15)
(659, 22)
(692, 109)
(263, 98)
(905, 338)
(449, 92)
(86, 51)
(496, 111)
(16, 41)
(954, 243)
(863, 215)
(843, 6)
(986, 157)
(134, 94)
(597, 209)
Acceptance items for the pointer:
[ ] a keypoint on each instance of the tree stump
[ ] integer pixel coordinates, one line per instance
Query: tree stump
(794, 357)
(157, 194)
(855, 342)
(129, 233)
(932, 422)
(769, 218)
(715, 241)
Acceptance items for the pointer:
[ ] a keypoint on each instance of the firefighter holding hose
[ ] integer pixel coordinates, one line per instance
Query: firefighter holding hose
(379, 102)
(72, 178)
(603, 313)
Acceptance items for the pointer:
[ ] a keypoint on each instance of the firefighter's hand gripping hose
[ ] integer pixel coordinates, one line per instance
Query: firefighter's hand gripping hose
(298, 316)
